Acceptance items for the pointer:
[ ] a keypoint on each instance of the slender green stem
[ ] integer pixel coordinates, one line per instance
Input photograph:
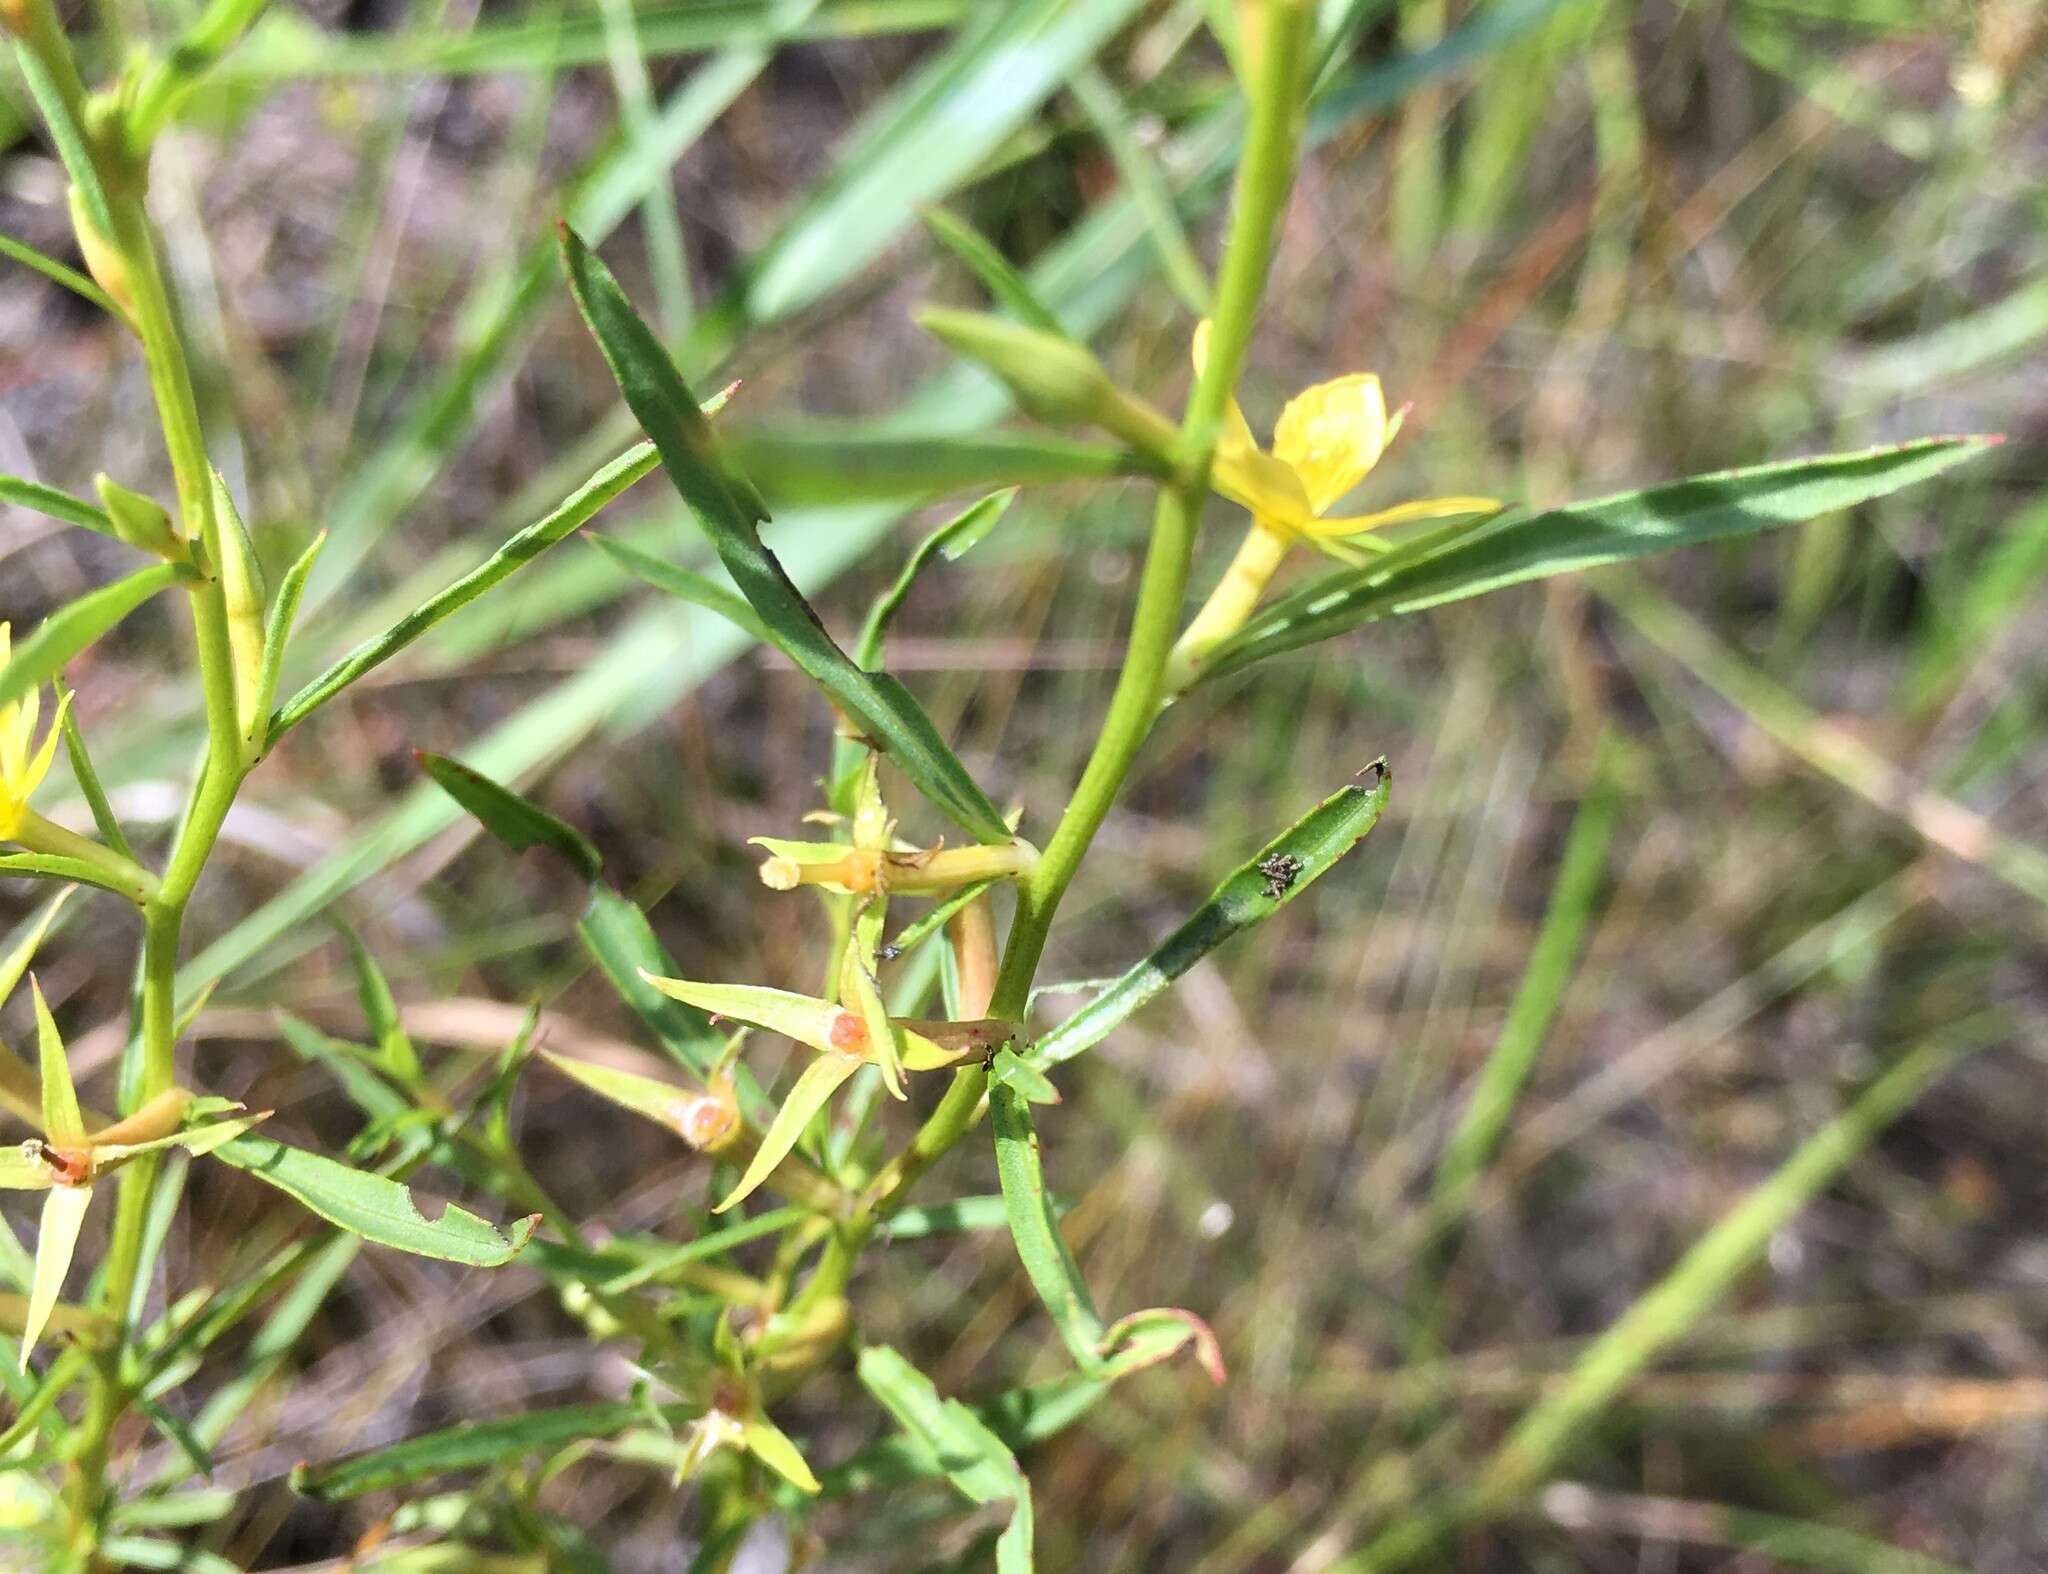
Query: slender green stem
(220, 777)
(1264, 179)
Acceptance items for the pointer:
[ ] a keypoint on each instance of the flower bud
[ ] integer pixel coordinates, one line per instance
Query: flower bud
(708, 1121)
(1053, 377)
(141, 521)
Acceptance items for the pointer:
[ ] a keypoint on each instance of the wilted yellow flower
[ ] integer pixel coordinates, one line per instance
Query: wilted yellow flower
(22, 765)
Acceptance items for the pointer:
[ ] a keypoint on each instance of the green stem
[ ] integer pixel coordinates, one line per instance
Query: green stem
(220, 777)
(1264, 179)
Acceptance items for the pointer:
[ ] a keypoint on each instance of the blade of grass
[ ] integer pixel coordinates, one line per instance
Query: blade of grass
(1846, 760)
(1693, 1287)
(1573, 897)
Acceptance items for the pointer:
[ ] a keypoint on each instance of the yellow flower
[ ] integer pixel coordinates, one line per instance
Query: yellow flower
(1327, 440)
(22, 765)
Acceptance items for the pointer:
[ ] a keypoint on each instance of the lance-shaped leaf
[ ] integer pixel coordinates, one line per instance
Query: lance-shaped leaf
(72, 871)
(1035, 1228)
(1249, 895)
(72, 627)
(810, 1093)
(472, 1445)
(58, 505)
(1131, 1343)
(1512, 548)
(684, 585)
(953, 539)
(974, 1459)
(821, 463)
(513, 819)
(375, 1208)
(1010, 1069)
(563, 520)
(1010, 289)
(380, 1010)
(277, 634)
(666, 411)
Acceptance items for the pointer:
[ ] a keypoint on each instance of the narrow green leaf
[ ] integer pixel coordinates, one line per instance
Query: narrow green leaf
(809, 1094)
(1500, 1082)
(380, 1011)
(576, 510)
(58, 505)
(1035, 1228)
(1514, 548)
(377, 1209)
(63, 1213)
(843, 463)
(72, 627)
(75, 871)
(516, 821)
(1009, 288)
(954, 538)
(55, 271)
(915, 933)
(1249, 895)
(88, 778)
(469, 1445)
(68, 138)
(62, 1123)
(665, 409)
(684, 584)
(943, 1218)
(974, 1459)
(277, 634)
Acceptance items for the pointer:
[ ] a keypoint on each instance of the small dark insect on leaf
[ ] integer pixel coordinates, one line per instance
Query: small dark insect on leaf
(1281, 871)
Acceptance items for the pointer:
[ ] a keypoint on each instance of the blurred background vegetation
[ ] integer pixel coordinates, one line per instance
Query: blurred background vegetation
(1775, 810)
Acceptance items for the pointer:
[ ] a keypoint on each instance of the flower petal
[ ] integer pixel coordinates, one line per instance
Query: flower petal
(820, 1080)
(801, 1017)
(63, 1213)
(1332, 434)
